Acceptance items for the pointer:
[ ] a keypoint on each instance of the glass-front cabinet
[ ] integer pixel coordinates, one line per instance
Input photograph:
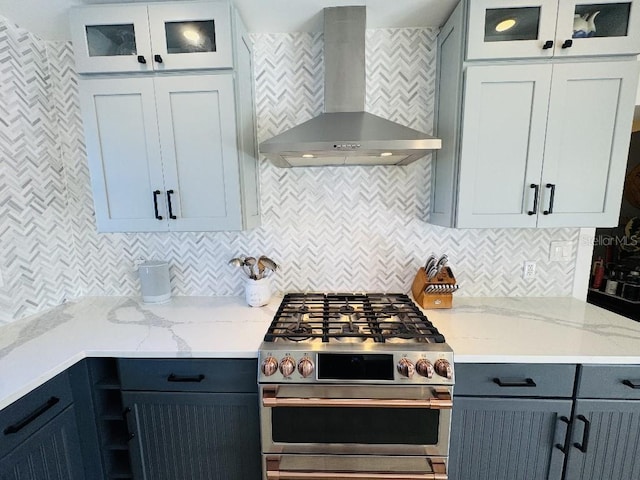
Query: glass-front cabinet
(552, 28)
(139, 38)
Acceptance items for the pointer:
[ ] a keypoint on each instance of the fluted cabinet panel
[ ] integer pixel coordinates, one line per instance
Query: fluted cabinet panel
(507, 439)
(52, 453)
(612, 441)
(205, 436)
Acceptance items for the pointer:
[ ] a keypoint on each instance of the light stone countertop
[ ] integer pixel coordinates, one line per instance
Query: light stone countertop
(501, 330)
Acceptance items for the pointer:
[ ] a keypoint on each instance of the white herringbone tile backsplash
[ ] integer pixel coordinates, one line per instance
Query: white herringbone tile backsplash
(338, 228)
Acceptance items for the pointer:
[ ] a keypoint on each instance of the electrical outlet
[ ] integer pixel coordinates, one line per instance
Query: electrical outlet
(529, 270)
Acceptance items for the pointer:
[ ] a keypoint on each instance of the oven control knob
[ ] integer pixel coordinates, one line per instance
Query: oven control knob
(305, 367)
(287, 366)
(443, 368)
(424, 368)
(269, 366)
(405, 368)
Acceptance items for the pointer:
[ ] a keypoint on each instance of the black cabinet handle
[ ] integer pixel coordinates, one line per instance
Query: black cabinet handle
(185, 378)
(125, 413)
(630, 384)
(155, 203)
(552, 186)
(547, 45)
(535, 198)
(585, 434)
(157, 58)
(16, 427)
(171, 215)
(527, 382)
(567, 43)
(564, 448)
(141, 59)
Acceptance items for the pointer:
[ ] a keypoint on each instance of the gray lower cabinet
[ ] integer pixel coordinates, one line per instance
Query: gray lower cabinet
(50, 453)
(510, 421)
(524, 421)
(192, 434)
(507, 438)
(39, 437)
(605, 441)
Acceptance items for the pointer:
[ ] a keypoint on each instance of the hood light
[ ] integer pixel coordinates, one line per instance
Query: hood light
(505, 25)
(386, 154)
(308, 155)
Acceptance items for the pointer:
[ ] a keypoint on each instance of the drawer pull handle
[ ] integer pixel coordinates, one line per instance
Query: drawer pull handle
(585, 434)
(157, 58)
(630, 384)
(16, 427)
(564, 448)
(185, 378)
(547, 45)
(141, 59)
(527, 382)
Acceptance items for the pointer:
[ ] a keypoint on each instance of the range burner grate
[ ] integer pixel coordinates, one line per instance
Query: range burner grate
(351, 317)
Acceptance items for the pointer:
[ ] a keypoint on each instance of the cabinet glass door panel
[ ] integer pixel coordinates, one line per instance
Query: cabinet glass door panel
(601, 20)
(196, 35)
(109, 40)
(510, 24)
(516, 29)
(189, 37)
(606, 27)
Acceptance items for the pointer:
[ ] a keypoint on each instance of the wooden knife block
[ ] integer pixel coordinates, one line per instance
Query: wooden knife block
(433, 299)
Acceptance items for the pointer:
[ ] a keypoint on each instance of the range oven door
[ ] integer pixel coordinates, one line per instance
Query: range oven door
(355, 419)
(352, 467)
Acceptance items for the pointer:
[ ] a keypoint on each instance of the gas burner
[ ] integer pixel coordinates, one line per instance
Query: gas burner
(347, 310)
(298, 332)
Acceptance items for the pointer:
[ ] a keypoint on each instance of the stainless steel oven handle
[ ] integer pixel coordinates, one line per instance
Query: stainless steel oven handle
(282, 475)
(441, 402)
(274, 473)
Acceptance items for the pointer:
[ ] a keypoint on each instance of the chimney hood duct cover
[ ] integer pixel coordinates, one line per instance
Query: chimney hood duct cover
(345, 134)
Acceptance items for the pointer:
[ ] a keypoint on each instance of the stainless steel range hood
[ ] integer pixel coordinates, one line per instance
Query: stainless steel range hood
(345, 134)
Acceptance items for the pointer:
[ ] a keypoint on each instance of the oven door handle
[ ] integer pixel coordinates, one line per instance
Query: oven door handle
(295, 475)
(274, 473)
(442, 401)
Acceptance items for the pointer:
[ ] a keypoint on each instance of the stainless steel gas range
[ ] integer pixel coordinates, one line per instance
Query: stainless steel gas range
(354, 386)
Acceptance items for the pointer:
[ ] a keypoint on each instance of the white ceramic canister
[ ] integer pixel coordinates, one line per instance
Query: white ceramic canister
(154, 281)
(257, 292)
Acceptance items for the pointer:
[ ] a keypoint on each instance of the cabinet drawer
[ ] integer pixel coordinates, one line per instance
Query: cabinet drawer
(609, 381)
(515, 380)
(25, 416)
(190, 375)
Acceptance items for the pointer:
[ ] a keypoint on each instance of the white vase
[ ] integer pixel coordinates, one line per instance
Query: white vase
(257, 292)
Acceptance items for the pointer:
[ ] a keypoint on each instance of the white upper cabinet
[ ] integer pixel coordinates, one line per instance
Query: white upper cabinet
(163, 154)
(174, 151)
(529, 144)
(552, 28)
(545, 145)
(154, 37)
